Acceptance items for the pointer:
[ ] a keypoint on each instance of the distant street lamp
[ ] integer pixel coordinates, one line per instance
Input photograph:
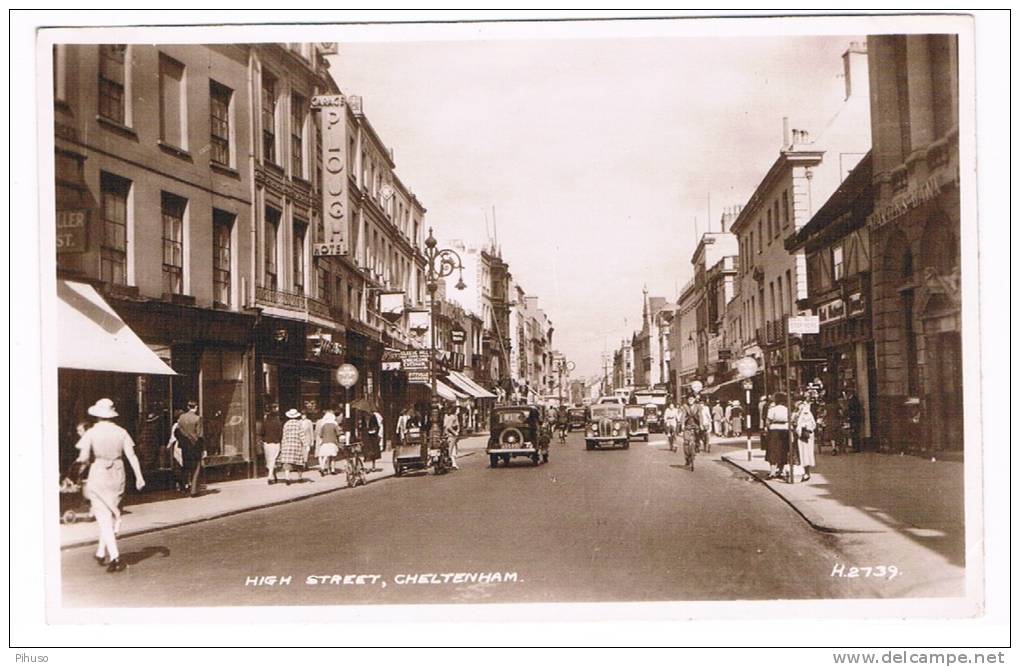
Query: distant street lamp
(438, 265)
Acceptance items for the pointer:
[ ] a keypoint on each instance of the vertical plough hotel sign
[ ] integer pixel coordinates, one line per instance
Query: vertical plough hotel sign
(334, 176)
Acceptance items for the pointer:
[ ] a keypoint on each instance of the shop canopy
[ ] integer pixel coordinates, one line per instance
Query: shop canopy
(469, 386)
(449, 393)
(91, 336)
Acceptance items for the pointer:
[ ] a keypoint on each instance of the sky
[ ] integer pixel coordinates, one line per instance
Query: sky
(603, 158)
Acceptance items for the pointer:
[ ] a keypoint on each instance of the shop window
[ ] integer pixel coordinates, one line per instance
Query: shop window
(223, 402)
(223, 225)
(173, 209)
(112, 71)
(114, 193)
(172, 106)
(219, 123)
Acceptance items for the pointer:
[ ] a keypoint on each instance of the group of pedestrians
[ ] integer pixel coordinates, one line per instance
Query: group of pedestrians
(288, 442)
(835, 423)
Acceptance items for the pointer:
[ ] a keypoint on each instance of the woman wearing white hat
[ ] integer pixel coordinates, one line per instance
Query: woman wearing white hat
(107, 443)
(294, 446)
(327, 442)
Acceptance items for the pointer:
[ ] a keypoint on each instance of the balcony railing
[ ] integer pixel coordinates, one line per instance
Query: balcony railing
(291, 301)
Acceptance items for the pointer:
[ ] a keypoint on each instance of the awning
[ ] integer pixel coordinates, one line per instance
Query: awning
(467, 385)
(447, 392)
(91, 336)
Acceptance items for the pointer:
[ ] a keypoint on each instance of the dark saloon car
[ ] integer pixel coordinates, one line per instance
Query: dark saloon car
(516, 431)
(606, 426)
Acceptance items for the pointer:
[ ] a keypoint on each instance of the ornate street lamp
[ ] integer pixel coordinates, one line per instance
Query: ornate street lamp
(438, 265)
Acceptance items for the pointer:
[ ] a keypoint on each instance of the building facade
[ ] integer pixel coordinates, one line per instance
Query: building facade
(773, 280)
(197, 174)
(838, 251)
(915, 239)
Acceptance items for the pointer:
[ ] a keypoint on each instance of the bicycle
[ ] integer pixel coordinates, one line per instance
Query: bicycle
(355, 466)
(690, 447)
(671, 436)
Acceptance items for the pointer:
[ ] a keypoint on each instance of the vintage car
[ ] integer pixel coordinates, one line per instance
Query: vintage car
(517, 430)
(653, 417)
(575, 418)
(606, 426)
(635, 415)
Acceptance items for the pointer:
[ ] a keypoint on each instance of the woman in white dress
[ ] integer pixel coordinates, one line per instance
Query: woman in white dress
(805, 425)
(106, 443)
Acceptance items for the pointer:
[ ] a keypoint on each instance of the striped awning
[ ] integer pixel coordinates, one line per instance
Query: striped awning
(469, 386)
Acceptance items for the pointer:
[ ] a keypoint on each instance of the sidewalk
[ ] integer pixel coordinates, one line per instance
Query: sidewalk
(875, 493)
(226, 498)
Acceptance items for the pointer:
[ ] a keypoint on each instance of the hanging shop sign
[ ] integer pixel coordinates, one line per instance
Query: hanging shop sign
(391, 305)
(334, 174)
(457, 335)
(418, 321)
(803, 324)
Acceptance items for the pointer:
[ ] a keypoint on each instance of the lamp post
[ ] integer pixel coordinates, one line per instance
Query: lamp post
(439, 263)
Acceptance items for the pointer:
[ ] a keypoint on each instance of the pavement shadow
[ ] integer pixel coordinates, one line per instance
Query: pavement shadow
(135, 557)
(913, 512)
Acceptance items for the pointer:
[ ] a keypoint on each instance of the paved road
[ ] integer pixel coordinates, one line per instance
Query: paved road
(614, 525)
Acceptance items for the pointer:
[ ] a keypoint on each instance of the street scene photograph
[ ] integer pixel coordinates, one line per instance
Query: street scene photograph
(635, 314)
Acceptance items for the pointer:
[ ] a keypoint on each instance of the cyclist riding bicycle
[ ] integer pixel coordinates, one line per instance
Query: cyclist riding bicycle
(561, 424)
(691, 425)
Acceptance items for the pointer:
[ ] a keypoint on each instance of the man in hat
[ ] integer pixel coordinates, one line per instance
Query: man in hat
(190, 436)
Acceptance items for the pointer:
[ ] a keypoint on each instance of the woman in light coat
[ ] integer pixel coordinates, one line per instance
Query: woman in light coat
(104, 444)
(805, 425)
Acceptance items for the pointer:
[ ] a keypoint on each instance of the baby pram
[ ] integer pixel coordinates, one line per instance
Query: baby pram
(73, 506)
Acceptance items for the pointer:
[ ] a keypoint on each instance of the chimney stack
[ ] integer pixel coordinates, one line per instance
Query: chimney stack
(855, 69)
(786, 133)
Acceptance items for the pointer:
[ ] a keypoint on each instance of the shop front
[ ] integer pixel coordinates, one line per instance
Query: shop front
(211, 352)
(845, 342)
(296, 362)
(151, 358)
